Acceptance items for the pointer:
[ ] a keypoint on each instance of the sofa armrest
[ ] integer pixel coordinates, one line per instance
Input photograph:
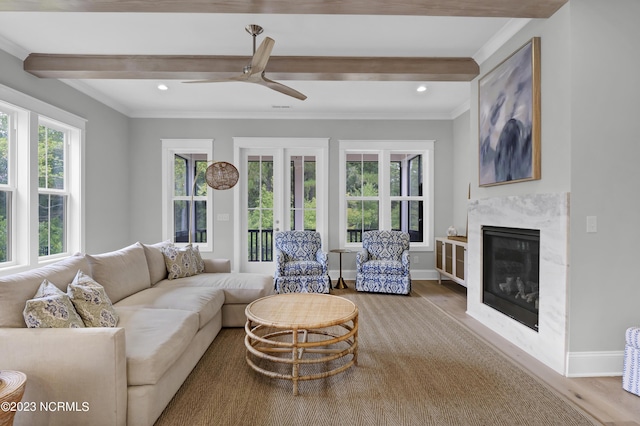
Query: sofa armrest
(323, 259)
(217, 265)
(406, 261)
(361, 257)
(83, 368)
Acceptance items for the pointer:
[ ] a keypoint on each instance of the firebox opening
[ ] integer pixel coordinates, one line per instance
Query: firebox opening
(511, 272)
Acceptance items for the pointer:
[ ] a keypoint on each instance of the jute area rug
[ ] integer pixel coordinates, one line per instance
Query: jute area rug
(416, 366)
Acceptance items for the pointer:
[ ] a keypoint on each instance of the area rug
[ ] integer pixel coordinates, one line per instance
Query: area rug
(416, 366)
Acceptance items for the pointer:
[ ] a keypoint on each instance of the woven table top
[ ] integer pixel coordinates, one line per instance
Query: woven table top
(301, 310)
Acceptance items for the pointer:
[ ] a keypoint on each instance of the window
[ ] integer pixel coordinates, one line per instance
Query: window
(40, 182)
(6, 191)
(52, 193)
(184, 166)
(387, 185)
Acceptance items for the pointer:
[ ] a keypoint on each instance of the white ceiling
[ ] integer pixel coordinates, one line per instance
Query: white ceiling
(22, 33)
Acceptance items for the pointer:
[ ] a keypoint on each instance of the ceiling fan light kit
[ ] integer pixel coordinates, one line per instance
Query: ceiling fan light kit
(255, 70)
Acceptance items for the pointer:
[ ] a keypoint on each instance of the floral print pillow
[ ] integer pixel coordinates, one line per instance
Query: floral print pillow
(92, 302)
(182, 262)
(51, 308)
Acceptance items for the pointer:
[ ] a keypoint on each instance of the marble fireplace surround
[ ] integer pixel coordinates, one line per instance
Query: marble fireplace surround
(548, 213)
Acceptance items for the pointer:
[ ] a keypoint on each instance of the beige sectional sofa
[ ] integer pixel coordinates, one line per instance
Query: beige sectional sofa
(127, 374)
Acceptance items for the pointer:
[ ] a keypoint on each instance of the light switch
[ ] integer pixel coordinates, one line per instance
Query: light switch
(223, 217)
(592, 224)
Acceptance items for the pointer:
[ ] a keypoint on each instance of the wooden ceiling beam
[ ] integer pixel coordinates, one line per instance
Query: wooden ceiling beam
(279, 67)
(474, 8)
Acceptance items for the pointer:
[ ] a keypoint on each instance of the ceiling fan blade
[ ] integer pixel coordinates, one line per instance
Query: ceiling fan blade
(279, 87)
(261, 57)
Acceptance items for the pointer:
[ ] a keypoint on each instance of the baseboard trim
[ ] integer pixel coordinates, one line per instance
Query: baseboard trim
(594, 364)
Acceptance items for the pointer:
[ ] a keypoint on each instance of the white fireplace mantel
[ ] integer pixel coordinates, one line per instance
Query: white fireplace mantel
(548, 213)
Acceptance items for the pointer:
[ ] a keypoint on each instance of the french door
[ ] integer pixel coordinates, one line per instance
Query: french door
(282, 187)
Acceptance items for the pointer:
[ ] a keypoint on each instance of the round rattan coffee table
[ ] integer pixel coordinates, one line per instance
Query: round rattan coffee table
(283, 328)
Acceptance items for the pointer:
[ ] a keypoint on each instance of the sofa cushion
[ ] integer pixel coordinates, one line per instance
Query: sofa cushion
(121, 272)
(16, 289)
(238, 287)
(51, 308)
(155, 339)
(91, 302)
(155, 260)
(206, 302)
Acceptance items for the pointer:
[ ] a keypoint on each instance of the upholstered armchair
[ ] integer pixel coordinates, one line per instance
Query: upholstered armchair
(631, 363)
(301, 265)
(383, 264)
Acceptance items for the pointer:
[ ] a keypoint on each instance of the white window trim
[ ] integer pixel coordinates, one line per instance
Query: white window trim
(28, 111)
(171, 147)
(383, 148)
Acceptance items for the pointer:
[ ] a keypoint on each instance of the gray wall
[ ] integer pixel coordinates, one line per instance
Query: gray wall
(590, 129)
(146, 195)
(605, 176)
(106, 154)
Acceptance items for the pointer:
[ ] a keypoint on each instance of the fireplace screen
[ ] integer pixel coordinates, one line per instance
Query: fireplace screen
(511, 271)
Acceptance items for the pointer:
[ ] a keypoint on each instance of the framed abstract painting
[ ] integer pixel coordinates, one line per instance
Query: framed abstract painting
(509, 118)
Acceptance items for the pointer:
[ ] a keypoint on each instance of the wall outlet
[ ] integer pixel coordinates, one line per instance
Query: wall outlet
(415, 259)
(592, 224)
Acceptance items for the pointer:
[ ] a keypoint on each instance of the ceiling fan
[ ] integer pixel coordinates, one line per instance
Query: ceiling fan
(254, 72)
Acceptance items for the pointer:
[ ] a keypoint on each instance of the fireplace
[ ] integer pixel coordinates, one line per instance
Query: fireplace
(511, 272)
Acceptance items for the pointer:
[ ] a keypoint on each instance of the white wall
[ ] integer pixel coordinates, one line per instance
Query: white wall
(145, 153)
(106, 154)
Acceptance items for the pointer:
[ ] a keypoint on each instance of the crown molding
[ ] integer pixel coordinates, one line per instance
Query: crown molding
(509, 30)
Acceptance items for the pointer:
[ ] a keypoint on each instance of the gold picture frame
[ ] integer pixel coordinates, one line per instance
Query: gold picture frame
(509, 119)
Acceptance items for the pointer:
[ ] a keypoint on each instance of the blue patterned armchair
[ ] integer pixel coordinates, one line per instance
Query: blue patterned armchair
(301, 265)
(383, 264)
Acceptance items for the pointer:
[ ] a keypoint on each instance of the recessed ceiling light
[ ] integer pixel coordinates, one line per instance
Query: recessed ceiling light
(163, 87)
(422, 88)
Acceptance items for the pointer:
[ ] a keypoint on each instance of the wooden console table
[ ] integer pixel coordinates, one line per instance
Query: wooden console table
(451, 257)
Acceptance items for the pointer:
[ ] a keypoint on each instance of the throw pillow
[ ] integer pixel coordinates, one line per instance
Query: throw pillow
(51, 308)
(181, 261)
(92, 302)
(198, 259)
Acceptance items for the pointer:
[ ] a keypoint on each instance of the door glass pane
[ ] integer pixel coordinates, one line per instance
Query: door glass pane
(260, 208)
(52, 235)
(4, 149)
(303, 193)
(5, 226)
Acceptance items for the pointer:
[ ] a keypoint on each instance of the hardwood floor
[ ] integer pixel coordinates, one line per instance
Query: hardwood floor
(601, 397)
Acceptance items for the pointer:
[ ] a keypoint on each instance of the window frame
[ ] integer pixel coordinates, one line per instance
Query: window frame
(384, 149)
(171, 148)
(27, 113)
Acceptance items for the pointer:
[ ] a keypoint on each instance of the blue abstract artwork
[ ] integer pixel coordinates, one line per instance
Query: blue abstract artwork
(509, 119)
